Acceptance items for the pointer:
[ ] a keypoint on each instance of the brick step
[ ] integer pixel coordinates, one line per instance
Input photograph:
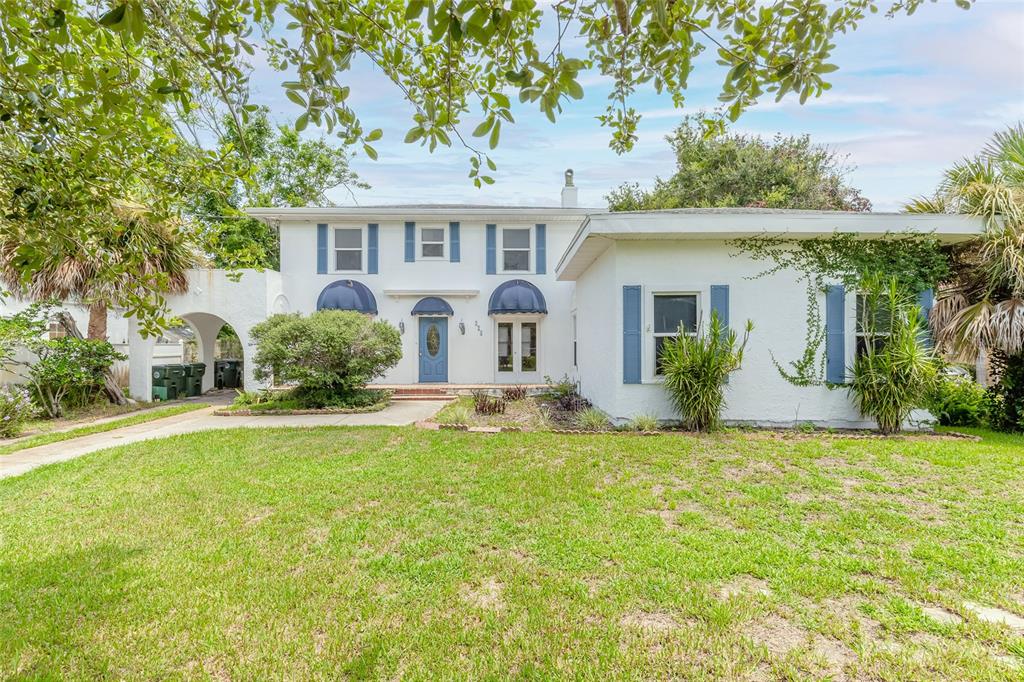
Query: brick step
(424, 396)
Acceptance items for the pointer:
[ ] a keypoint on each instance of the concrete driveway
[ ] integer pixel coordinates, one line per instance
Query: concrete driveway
(399, 413)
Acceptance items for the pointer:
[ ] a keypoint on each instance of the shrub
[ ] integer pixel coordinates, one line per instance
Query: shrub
(331, 349)
(513, 393)
(15, 409)
(574, 403)
(69, 370)
(893, 377)
(1005, 401)
(590, 419)
(487, 404)
(958, 401)
(321, 397)
(695, 369)
(562, 388)
(643, 422)
(250, 398)
(454, 414)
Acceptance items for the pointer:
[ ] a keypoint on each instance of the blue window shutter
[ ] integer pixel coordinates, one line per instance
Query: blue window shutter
(835, 334)
(542, 249)
(925, 300)
(454, 249)
(410, 242)
(372, 244)
(720, 304)
(492, 249)
(631, 337)
(321, 248)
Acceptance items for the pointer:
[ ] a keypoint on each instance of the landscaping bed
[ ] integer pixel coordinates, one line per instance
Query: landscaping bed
(295, 402)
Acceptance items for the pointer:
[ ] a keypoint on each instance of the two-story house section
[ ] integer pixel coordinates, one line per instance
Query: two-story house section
(471, 288)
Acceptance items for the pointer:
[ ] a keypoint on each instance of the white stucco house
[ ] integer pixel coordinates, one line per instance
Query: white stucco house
(501, 294)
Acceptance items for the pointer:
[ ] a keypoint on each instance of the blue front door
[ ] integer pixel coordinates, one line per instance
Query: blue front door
(433, 349)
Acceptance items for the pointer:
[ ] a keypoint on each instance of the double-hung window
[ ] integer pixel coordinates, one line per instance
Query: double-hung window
(432, 242)
(515, 249)
(873, 324)
(673, 314)
(348, 249)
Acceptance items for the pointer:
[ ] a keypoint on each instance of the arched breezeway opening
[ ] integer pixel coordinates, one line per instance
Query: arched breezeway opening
(208, 349)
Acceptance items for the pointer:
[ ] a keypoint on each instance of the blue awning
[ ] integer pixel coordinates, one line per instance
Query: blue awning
(347, 294)
(432, 305)
(517, 296)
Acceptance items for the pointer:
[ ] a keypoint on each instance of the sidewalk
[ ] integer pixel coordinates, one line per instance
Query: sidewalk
(395, 414)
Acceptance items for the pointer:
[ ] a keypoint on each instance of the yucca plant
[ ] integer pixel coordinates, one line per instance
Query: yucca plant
(696, 367)
(898, 368)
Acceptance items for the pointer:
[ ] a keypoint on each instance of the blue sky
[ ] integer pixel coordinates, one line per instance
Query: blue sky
(912, 95)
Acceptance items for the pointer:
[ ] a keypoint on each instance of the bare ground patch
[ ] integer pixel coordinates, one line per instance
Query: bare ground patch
(654, 621)
(486, 595)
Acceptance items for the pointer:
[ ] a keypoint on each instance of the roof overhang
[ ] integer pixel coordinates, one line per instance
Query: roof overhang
(600, 230)
(423, 213)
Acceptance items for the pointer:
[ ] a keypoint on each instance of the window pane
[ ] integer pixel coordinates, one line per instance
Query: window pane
(516, 260)
(528, 346)
(659, 348)
(348, 260)
(881, 323)
(504, 346)
(433, 250)
(672, 310)
(516, 239)
(433, 234)
(348, 239)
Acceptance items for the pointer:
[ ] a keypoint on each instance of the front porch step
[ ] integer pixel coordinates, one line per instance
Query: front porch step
(444, 397)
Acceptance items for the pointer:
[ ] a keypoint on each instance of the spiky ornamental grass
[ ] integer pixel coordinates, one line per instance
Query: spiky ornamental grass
(898, 367)
(696, 367)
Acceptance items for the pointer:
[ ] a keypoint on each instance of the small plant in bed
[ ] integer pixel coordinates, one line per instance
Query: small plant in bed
(643, 423)
(512, 393)
(483, 403)
(590, 419)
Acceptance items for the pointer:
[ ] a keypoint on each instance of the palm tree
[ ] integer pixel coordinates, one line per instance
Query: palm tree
(136, 255)
(981, 309)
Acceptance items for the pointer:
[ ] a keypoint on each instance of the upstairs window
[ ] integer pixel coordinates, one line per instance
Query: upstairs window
(673, 313)
(348, 249)
(432, 242)
(515, 249)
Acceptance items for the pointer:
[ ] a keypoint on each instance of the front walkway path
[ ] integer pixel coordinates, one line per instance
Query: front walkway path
(395, 414)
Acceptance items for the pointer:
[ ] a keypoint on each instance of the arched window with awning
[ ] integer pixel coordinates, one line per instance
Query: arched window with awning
(347, 294)
(517, 296)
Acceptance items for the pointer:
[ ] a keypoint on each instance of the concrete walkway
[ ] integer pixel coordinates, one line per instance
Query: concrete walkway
(395, 414)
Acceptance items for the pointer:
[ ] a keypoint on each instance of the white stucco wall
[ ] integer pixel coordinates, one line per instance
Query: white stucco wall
(757, 393)
(399, 285)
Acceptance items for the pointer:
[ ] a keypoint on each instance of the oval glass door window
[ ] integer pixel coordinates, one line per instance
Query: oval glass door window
(433, 340)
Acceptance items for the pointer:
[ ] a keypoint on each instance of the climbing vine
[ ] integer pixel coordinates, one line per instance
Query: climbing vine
(916, 262)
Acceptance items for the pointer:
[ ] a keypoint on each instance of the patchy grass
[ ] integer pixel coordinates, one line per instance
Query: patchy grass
(101, 409)
(402, 553)
(88, 430)
(524, 414)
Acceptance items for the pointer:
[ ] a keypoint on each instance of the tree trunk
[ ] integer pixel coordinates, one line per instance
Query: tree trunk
(98, 321)
(110, 387)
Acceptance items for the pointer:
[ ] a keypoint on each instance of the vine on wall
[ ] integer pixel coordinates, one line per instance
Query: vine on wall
(917, 262)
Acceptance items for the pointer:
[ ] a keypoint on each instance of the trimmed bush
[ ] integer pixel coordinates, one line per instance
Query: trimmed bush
(695, 369)
(328, 353)
(15, 409)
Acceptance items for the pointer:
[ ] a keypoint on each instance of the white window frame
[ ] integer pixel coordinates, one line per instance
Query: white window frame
(517, 375)
(650, 359)
(334, 249)
(857, 333)
(443, 242)
(529, 250)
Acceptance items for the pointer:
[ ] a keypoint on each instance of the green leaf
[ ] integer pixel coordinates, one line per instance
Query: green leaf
(295, 97)
(484, 127)
(374, 135)
(414, 9)
(301, 122)
(114, 16)
(370, 151)
(413, 135)
(492, 142)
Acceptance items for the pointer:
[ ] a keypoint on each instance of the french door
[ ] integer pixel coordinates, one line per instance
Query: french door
(518, 351)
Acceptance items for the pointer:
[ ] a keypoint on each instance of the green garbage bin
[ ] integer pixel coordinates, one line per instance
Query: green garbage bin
(195, 373)
(228, 373)
(176, 375)
(165, 387)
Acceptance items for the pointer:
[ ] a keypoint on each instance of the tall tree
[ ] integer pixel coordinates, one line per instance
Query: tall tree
(286, 170)
(727, 170)
(981, 307)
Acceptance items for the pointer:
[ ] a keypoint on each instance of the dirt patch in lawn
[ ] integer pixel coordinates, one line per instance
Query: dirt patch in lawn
(653, 621)
(744, 585)
(486, 595)
(525, 415)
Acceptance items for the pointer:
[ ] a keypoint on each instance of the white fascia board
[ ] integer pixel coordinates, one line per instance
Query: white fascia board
(489, 213)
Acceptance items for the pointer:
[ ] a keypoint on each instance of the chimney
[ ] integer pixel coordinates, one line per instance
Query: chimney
(569, 191)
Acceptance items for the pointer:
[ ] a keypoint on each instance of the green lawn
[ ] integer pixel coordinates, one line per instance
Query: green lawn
(401, 553)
